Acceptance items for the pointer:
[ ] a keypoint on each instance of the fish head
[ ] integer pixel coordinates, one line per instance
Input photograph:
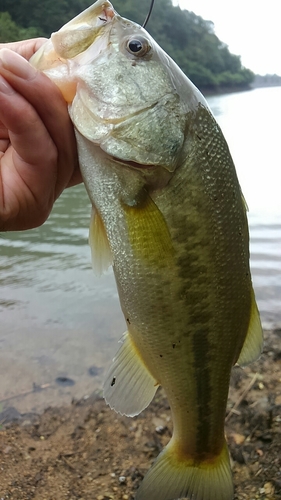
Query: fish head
(125, 93)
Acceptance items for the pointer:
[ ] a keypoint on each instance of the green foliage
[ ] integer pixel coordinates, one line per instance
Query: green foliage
(187, 38)
(47, 16)
(10, 31)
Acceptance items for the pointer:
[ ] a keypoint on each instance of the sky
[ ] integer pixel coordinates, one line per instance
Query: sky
(250, 28)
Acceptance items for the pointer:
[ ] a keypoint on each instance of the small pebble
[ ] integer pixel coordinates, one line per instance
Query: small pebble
(65, 381)
(122, 479)
(160, 429)
(94, 370)
(237, 438)
(268, 488)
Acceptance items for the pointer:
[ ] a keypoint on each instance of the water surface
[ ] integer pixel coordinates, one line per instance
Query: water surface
(60, 324)
(251, 122)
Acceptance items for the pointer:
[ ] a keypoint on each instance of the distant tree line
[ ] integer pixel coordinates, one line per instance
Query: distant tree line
(266, 81)
(188, 39)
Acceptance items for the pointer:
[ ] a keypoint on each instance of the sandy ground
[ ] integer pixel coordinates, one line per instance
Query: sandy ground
(85, 451)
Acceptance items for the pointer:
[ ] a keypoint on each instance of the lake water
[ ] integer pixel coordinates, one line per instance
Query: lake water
(60, 324)
(251, 122)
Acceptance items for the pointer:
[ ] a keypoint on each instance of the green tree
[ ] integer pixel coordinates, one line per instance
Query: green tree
(10, 31)
(189, 39)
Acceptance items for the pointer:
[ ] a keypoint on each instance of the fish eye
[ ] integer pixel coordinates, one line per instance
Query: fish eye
(138, 46)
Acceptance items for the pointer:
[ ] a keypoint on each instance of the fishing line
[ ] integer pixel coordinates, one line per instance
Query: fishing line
(148, 15)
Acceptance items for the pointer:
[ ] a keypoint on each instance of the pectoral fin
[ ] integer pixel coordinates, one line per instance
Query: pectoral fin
(129, 386)
(253, 343)
(148, 233)
(100, 249)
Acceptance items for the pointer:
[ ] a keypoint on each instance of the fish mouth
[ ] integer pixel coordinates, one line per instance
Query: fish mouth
(81, 32)
(75, 37)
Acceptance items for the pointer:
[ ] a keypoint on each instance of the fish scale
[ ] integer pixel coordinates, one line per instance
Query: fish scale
(169, 215)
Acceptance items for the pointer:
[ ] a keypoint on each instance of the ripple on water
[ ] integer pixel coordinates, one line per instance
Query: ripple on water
(265, 246)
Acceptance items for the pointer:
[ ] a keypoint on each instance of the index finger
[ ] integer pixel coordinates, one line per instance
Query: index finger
(25, 48)
(47, 101)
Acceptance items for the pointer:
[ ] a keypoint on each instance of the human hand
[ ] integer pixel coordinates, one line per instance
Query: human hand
(38, 155)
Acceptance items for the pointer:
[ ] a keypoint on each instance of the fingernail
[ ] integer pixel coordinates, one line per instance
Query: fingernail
(13, 62)
(5, 88)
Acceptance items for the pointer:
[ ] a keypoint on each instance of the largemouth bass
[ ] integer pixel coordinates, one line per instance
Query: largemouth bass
(169, 215)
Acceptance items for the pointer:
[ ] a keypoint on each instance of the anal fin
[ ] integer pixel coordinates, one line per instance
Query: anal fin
(129, 386)
(253, 344)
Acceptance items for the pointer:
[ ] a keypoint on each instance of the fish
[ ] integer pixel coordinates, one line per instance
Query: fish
(170, 217)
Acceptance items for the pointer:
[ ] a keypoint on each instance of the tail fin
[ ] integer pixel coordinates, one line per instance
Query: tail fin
(172, 479)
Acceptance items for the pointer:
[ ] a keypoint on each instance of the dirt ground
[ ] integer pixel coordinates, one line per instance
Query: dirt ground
(87, 452)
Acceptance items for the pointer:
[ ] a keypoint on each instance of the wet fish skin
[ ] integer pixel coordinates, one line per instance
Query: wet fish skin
(169, 215)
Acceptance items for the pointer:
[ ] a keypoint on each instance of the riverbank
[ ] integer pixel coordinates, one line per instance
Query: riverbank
(85, 451)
